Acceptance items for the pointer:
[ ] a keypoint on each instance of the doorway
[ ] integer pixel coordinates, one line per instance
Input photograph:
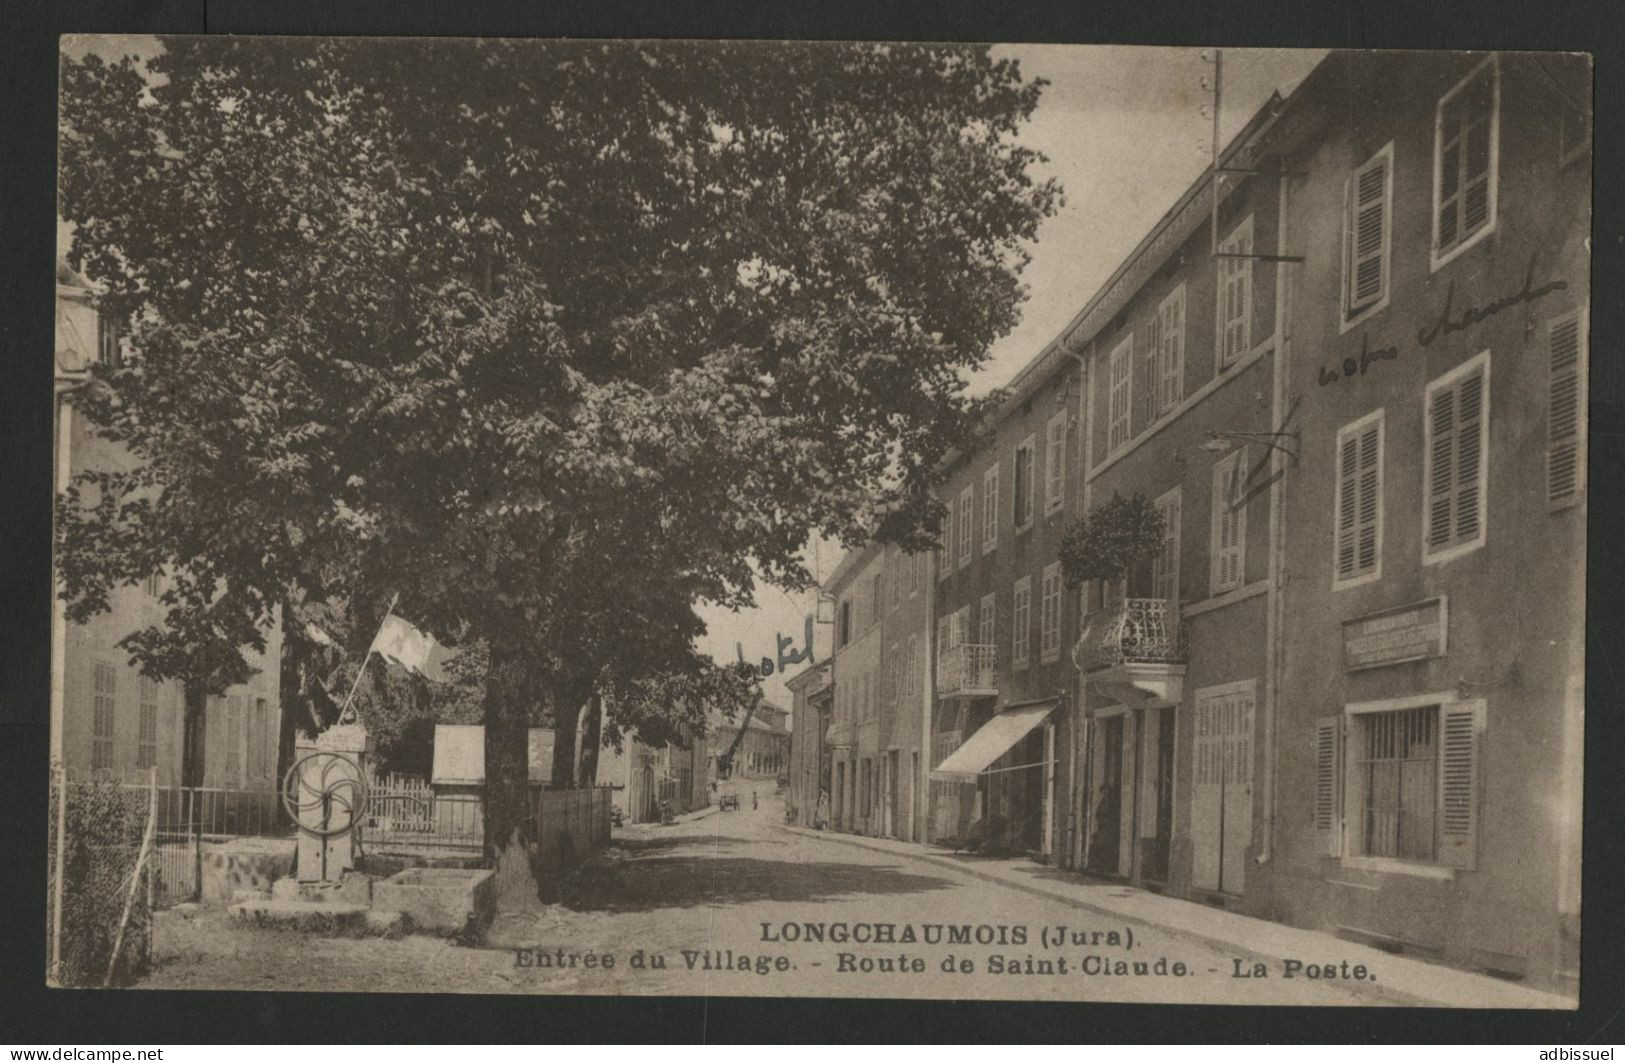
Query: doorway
(1222, 787)
(1106, 808)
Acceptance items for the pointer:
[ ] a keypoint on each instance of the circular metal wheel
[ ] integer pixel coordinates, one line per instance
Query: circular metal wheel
(328, 797)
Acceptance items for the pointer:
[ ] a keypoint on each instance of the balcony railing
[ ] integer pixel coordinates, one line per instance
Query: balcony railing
(1133, 630)
(968, 671)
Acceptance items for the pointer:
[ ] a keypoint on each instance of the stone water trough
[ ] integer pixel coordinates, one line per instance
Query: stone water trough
(446, 900)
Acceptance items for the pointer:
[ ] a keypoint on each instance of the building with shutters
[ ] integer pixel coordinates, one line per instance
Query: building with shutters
(107, 719)
(810, 716)
(1349, 371)
(856, 587)
(1431, 661)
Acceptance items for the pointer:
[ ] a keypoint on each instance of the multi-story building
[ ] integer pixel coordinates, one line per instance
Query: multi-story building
(811, 713)
(1317, 702)
(107, 718)
(904, 698)
(759, 745)
(854, 735)
(1429, 713)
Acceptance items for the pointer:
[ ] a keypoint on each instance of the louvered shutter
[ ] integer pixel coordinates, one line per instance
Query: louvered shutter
(1565, 466)
(1230, 519)
(1328, 803)
(1359, 500)
(1461, 750)
(1235, 294)
(1348, 466)
(1368, 235)
(1171, 342)
(1469, 456)
(1442, 466)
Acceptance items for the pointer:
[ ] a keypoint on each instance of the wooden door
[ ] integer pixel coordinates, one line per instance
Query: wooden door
(1222, 788)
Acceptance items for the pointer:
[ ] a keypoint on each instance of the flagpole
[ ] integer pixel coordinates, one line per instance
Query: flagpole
(344, 709)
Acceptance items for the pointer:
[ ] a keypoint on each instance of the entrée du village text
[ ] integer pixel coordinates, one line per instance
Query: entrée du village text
(1042, 950)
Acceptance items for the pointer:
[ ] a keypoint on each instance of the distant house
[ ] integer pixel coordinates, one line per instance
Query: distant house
(107, 719)
(644, 775)
(458, 774)
(763, 753)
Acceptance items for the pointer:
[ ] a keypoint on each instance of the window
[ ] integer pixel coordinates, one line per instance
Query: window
(1357, 541)
(913, 664)
(1120, 369)
(146, 739)
(1021, 619)
(945, 552)
(877, 596)
(1049, 614)
(945, 634)
(1570, 77)
(1229, 541)
(262, 727)
(916, 573)
(1024, 482)
(1396, 765)
(894, 575)
(1165, 565)
(102, 717)
(1466, 141)
(967, 525)
(1169, 382)
(846, 621)
(1367, 220)
(888, 677)
(150, 585)
(1409, 785)
(1055, 463)
(234, 738)
(1566, 409)
(1457, 468)
(109, 343)
(961, 625)
(987, 620)
(1235, 294)
(990, 509)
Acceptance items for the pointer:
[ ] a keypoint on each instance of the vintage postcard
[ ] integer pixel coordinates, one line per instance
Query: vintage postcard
(820, 519)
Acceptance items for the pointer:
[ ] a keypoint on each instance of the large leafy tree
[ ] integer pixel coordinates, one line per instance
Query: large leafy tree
(552, 339)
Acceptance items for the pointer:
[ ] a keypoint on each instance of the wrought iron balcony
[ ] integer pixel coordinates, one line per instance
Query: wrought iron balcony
(1132, 631)
(968, 671)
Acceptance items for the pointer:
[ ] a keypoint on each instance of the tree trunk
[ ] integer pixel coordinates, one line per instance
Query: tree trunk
(195, 700)
(507, 790)
(566, 704)
(592, 730)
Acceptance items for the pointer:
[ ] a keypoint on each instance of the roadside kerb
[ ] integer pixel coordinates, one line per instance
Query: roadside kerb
(1481, 991)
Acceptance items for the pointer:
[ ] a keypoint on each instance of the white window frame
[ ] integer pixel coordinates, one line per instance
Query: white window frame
(1030, 445)
(1169, 383)
(1437, 257)
(1356, 429)
(104, 741)
(1431, 556)
(1049, 614)
(967, 523)
(1120, 396)
(1234, 464)
(1055, 463)
(990, 509)
(1350, 317)
(1240, 241)
(987, 622)
(1348, 797)
(1021, 622)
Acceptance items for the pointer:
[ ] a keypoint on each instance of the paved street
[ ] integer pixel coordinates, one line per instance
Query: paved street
(697, 895)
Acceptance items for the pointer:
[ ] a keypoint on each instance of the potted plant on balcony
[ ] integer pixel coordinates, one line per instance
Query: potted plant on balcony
(1111, 540)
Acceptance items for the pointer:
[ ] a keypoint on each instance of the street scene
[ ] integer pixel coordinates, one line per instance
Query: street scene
(832, 520)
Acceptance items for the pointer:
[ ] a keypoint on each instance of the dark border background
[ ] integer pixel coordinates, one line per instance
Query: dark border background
(46, 1017)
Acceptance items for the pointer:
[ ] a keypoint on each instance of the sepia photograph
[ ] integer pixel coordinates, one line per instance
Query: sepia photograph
(708, 518)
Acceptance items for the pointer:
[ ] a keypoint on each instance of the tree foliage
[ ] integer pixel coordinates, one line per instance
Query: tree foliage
(555, 339)
(1111, 540)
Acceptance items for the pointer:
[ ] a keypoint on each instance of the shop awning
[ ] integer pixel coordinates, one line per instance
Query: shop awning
(993, 740)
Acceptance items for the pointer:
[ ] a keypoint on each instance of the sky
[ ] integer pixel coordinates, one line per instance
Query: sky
(1125, 131)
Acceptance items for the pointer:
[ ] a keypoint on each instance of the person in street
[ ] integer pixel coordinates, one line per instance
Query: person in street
(753, 805)
(821, 814)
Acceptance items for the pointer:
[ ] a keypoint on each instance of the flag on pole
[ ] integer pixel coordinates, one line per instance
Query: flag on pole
(404, 643)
